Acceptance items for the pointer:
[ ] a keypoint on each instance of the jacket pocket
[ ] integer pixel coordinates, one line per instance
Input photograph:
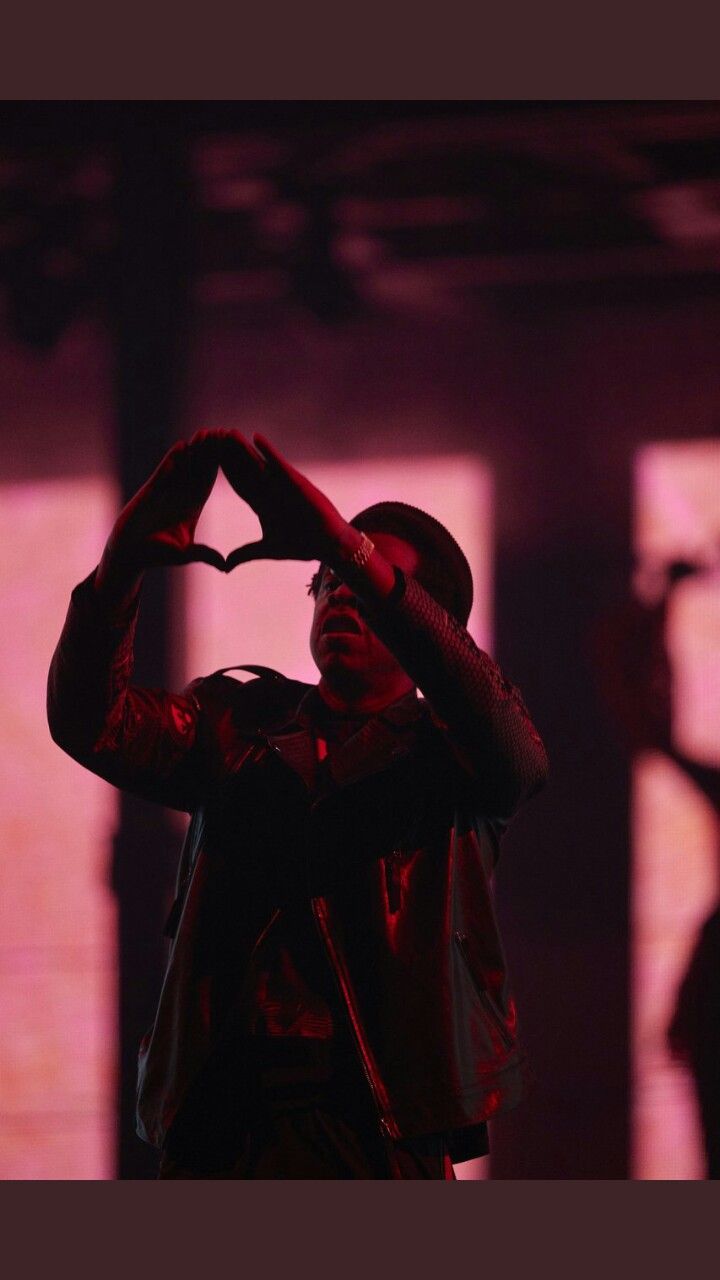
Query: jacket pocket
(492, 1013)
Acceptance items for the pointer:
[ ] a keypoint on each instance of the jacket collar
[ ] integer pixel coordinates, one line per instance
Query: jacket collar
(377, 742)
(313, 712)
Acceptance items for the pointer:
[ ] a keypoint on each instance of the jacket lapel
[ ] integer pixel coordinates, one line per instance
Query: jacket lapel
(378, 744)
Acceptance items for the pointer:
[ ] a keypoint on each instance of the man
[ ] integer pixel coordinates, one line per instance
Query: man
(336, 1003)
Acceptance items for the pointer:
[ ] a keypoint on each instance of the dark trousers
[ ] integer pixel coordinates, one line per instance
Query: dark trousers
(310, 1139)
(280, 1107)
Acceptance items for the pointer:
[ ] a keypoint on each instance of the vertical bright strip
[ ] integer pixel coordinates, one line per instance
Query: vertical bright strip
(675, 830)
(261, 614)
(57, 918)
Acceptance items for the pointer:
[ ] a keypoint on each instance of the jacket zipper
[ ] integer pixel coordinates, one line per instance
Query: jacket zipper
(263, 934)
(255, 750)
(486, 1000)
(387, 1124)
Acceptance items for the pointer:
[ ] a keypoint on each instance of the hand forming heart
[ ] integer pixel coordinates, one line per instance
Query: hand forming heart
(157, 527)
(298, 522)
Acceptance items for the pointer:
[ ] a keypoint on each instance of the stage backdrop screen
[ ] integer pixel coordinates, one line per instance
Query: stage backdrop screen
(675, 827)
(57, 915)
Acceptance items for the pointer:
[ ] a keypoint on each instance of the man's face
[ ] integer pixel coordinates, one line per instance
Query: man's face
(340, 641)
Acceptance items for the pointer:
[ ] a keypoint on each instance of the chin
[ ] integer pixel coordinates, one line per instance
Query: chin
(337, 652)
(335, 659)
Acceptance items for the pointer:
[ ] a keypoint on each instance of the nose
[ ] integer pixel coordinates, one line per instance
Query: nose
(341, 593)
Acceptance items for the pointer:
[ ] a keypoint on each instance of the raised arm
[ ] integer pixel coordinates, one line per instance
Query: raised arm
(143, 740)
(481, 714)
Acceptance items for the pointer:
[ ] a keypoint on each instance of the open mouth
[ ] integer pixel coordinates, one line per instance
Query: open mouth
(341, 622)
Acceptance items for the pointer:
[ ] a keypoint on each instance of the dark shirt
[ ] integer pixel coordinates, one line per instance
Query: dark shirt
(290, 1007)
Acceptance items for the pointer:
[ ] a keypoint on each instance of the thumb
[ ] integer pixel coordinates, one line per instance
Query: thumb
(208, 555)
(250, 551)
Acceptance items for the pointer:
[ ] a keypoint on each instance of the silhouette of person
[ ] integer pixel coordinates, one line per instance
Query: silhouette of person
(636, 674)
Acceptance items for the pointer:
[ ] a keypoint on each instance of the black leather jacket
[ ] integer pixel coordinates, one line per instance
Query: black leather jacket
(395, 861)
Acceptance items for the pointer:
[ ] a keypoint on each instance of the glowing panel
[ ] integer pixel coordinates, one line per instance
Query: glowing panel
(675, 830)
(57, 918)
(262, 613)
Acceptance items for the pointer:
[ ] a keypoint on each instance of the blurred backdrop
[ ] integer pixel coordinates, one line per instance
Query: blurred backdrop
(510, 310)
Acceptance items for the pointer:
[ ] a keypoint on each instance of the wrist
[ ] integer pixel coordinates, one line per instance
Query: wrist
(351, 550)
(344, 547)
(357, 561)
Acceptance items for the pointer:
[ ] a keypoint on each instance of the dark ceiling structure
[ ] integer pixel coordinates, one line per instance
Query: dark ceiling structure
(350, 208)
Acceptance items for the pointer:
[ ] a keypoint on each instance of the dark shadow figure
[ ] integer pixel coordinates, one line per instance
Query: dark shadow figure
(636, 675)
(694, 1033)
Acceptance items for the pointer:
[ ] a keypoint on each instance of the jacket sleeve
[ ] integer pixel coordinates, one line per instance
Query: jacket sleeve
(482, 716)
(147, 741)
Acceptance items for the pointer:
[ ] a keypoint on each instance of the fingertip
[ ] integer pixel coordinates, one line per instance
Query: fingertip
(203, 438)
(265, 448)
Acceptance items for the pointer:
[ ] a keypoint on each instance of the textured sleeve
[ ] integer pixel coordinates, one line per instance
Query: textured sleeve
(147, 741)
(481, 714)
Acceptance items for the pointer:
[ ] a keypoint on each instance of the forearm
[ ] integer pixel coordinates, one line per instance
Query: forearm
(92, 664)
(116, 585)
(147, 741)
(482, 713)
(374, 579)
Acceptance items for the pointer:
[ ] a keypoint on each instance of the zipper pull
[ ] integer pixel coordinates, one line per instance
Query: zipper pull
(392, 885)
